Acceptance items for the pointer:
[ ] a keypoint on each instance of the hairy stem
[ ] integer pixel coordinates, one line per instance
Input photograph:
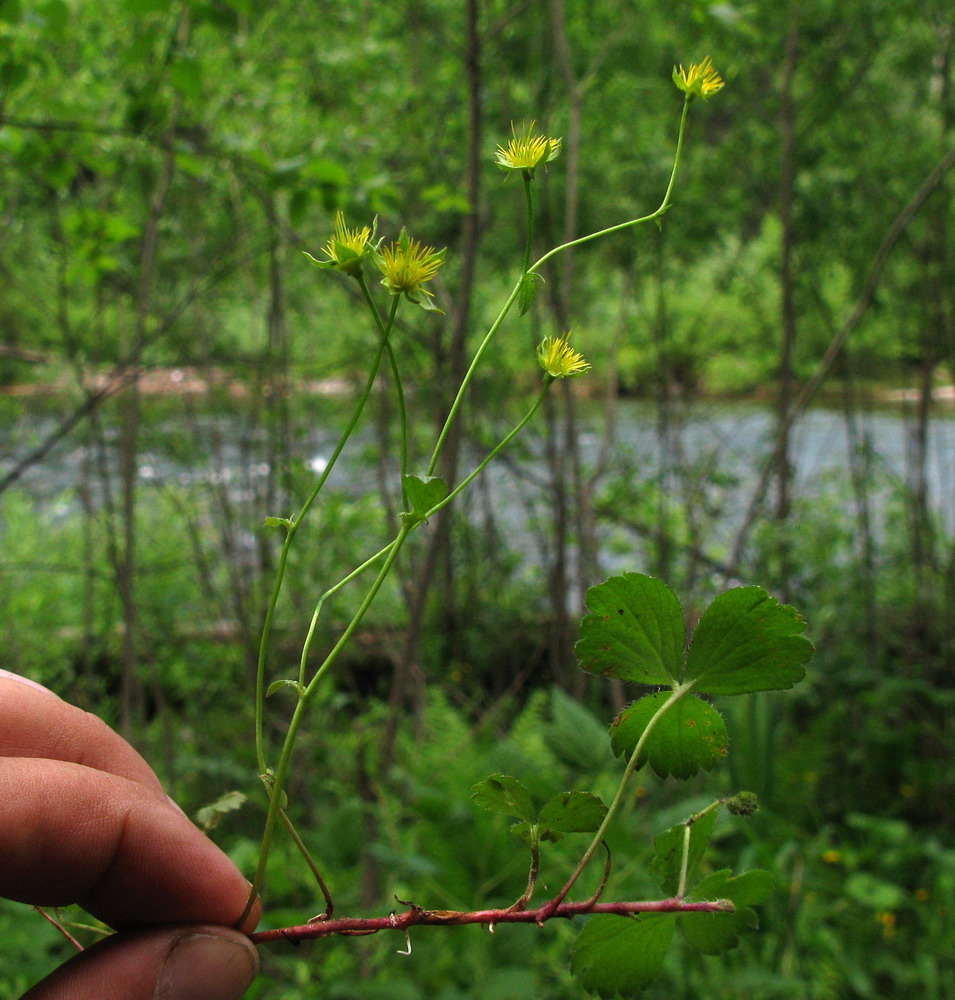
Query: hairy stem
(417, 916)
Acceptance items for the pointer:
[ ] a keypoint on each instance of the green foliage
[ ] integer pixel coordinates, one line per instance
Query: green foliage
(745, 641)
(690, 737)
(252, 179)
(424, 493)
(566, 812)
(615, 956)
(634, 631)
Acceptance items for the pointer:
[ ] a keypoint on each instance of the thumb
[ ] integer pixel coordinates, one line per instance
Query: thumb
(196, 962)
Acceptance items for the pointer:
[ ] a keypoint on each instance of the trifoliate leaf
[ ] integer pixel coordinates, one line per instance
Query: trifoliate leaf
(570, 812)
(423, 493)
(634, 632)
(504, 794)
(208, 817)
(690, 735)
(747, 641)
(619, 956)
(669, 847)
(712, 933)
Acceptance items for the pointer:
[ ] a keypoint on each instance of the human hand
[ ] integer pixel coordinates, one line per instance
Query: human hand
(83, 819)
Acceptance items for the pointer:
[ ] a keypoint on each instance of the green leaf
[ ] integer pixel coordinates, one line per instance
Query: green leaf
(669, 850)
(209, 817)
(570, 812)
(634, 632)
(504, 794)
(619, 956)
(423, 492)
(747, 641)
(712, 933)
(277, 522)
(689, 736)
(874, 892)
(279, 685)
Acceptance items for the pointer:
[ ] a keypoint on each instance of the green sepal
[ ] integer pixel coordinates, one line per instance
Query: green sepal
(712, 933)
(668, 847)
(504, 794)
(689, 736)
(619, 956)
(423, 493)
(424, 300)
(747, 641)
(634, 631)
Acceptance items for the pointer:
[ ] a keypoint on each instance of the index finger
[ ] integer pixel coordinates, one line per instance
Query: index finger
(34, 722)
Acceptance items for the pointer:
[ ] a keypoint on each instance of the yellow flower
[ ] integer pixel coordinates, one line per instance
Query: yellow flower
(526, 150)
(406, 266)
(700, 80)
(559, 359)
(346, 248)
(831, 857)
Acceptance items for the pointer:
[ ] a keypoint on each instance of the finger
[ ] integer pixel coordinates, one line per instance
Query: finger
(175, 963)
(74, 834)
(34, 722)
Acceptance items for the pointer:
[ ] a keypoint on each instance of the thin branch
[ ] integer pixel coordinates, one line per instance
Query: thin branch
(417, 916)
(69, 937)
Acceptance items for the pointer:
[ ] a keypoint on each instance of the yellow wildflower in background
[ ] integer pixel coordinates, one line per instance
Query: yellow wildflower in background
(526, 150)
(888, 920)
(406, 266)
(559, 359)
(346, 248)
(700, 80)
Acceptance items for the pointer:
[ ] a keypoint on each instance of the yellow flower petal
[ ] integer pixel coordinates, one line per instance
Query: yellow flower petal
(700, 80)
(559, 359)
(526, 150)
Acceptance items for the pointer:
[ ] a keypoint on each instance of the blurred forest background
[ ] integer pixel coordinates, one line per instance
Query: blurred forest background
(770, 403)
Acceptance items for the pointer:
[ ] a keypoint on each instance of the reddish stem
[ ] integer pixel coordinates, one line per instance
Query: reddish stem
(417, 916)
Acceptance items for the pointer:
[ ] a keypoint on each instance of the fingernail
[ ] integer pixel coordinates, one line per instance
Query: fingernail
(206, 966)
(24, 680)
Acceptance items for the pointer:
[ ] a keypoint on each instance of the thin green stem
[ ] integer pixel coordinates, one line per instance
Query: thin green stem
(495, 326)
(687, 837)
(529, 200)
(402, 419)
(503, 443)
(684, 862)
(677, 693)
(313, 868)
(296, 521)
(468, 375)
(306, 693)
(277, 781)
(664, 205)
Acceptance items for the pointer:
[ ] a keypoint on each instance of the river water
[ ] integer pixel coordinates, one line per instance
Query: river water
(720, 448)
